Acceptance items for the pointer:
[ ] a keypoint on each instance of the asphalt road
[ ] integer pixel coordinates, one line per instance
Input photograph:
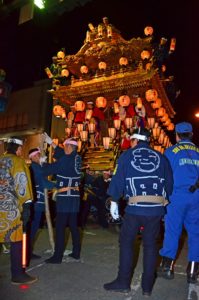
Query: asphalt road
(84, 280)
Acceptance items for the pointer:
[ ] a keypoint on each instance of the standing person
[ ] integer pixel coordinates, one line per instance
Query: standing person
(184, 206)
(67, 169)
(39, 184)
(15, 201)
(144, 177)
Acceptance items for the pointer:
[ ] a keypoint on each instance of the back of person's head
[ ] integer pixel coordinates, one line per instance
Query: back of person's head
(13, 144)
(32, 152)
(184, 131)
(141, 134)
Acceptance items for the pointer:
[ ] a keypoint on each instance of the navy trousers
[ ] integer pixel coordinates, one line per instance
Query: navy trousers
(129, 230)
(62, 220)
(16, 259)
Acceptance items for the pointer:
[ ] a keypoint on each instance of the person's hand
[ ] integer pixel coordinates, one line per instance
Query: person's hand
(43, 159)
(26, 213)
(114, 210)
(47, 138)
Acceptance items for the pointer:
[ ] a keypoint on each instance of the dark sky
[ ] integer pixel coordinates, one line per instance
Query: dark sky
(25, 50)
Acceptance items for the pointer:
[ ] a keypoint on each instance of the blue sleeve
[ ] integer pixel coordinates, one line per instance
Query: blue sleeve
(58, 153)
(168, 177)
(117, 184)
(50, 169)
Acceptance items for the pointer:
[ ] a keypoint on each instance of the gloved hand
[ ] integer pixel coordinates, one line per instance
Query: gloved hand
(114, 210)
(47, 138)
(25, 214)
(43, 159)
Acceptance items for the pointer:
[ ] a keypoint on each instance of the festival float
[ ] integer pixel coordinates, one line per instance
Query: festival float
(110, 87)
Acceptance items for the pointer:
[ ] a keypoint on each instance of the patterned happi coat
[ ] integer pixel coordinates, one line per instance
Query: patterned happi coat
(15, 189)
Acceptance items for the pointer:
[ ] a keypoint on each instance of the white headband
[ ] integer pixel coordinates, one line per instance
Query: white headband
(15, 141)
(138, 137)
(34, 153)
(70, 142)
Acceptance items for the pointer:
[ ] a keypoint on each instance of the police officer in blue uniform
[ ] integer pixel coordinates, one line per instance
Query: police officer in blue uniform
(67, 169)
(184, 204)
(39, 183)
(144, 178)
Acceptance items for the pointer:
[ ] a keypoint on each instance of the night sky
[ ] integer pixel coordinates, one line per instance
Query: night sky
(25, 50)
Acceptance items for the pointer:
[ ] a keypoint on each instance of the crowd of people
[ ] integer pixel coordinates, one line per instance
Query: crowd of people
(153, 185)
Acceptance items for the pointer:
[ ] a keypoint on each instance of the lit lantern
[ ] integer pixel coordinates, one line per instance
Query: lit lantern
(168, 121)
(117, 124)
(100, 30)
(170, 127)
(161, 112)
(151, 122)
(88, 36)
(84, 135)
(112, 132)
(101, 102)
(123, 61)
(63, 115)
(156, 125)
(148, 30)
(57, 111)
(166, 138)
(128, 122)
(145, 54)
(91, 127)
(79, 105)
(102, 65)
(124, 100)
(84, 69)
(148, 67)
(106, 142)
(163, 68)
(109, 31)
(60, 54)
(158, 148)
(157, 103)
(80, 127)
(151, 95)
(164, 118)
(139, 103)
(64, 73)
(173, 44)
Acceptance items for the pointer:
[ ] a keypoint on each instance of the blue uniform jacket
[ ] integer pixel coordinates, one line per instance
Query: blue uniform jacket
(67, 169)
(39, 183)
(184, 160)
(142, 171)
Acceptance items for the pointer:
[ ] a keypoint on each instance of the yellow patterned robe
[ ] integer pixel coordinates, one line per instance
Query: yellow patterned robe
(15, 189)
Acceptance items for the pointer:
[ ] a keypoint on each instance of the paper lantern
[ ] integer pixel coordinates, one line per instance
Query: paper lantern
(128, 122)
(145, 54)
(148, 30)
(173, 44)
(123, 61)
(57, 111)
(117, 124)
(112, 132)
(161, 112)
(84, 69)
(80, 127)
(101, 102)
(102, 65)
(84, 135)
(64, 73)
(91, 127)
(79, 105)
(170, 127)
(167, 122)
(106, 142)
(151, 122)
(124, 100)
(164, 117)
(148, 67)
(157, 103)
(151, 95)
(60, 54)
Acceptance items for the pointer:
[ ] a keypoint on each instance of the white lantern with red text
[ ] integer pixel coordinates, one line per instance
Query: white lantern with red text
(101, 102)
(79, 105)
(112, 132)
(117, 124)
(124, 100)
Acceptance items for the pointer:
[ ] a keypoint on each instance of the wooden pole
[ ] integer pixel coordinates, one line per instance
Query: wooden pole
(48, 220)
